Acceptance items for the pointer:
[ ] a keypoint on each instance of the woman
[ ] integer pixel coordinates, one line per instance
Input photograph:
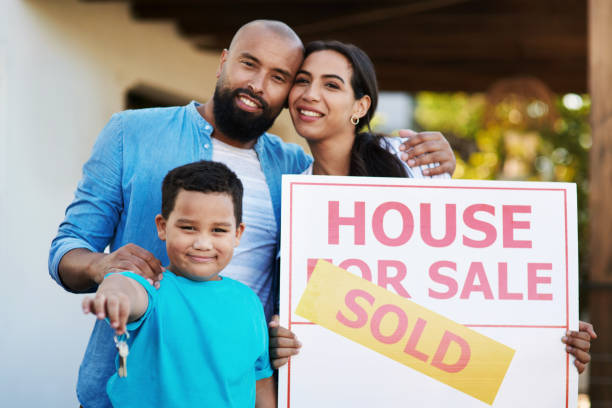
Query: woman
(333, 97)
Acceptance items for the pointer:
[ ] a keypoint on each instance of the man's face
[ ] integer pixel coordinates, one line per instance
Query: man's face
(254, 79)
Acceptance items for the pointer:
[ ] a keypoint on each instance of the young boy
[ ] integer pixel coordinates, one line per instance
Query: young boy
(198, 340)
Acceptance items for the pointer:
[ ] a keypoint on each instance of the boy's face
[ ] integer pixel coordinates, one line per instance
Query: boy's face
(200, 234)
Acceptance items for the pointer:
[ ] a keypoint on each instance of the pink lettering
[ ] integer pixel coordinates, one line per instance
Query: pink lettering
(436, 276)
(413, 341)
(402, 324)
(451, 226)
(310, 265)
(476, 271)
(533, 280)
(510, 225)
(478, 225)
(385, 280)
(407, 223)
(502, 275)
(366, 273)
(351, 302)
(462, 361)
(335, 221)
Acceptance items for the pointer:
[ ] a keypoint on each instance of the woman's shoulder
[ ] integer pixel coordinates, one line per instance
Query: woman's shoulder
(392, 144)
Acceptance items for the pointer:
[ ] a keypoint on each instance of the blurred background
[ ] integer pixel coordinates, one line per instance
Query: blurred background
(522, 90)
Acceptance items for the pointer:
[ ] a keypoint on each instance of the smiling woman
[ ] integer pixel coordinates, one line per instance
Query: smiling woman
(335, 91)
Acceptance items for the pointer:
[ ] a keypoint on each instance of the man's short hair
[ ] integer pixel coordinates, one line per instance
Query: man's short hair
(275, 26)
(203, 176)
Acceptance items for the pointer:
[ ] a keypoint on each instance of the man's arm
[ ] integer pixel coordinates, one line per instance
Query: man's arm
(265, 393)
(81, 269)
(76, 258)
(425, 148)
(120, 299)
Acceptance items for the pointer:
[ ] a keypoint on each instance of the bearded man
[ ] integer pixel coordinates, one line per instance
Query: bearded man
(119, 194)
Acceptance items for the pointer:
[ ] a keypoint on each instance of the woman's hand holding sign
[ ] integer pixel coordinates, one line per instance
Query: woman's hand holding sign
(579, 343)
(283, 343)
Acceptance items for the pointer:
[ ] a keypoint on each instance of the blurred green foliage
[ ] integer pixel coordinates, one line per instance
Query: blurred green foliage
(517, 139)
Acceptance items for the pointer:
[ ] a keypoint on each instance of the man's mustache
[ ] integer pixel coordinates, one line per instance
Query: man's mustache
(250, 93)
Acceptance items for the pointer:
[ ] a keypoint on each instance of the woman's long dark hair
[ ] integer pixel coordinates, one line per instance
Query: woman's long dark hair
(369, 156)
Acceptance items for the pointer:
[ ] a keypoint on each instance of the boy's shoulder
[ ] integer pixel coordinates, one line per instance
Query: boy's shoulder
(241, 289)
(224, 285)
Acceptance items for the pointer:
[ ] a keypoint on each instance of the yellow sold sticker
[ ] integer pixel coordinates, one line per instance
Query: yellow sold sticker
(405, 332)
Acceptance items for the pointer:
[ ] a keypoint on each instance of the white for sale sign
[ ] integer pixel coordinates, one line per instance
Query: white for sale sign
(428, 293)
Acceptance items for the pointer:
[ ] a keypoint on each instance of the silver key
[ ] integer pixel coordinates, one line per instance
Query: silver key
(123, 349)
(123, 353)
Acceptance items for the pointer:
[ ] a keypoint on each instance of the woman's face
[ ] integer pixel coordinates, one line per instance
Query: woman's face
(322, 101)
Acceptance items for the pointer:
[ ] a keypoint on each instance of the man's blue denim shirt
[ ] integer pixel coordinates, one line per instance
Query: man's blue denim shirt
(119, 196)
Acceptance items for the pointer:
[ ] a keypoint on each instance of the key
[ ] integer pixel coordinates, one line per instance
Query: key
(123, 353)
(123, 349)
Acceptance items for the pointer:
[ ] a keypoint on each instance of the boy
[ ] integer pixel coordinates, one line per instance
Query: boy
(200, 340)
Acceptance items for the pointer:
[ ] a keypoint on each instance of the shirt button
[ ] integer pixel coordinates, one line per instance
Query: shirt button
(206, 146)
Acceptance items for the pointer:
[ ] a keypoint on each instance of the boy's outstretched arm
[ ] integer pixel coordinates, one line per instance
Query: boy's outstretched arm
(266, 393)
(120, 299)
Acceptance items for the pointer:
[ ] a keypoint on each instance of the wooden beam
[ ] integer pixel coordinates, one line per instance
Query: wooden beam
(477, 76)
(600, 84)
(600, 199)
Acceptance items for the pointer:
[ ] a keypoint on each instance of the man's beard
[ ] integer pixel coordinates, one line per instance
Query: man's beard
(236, 123)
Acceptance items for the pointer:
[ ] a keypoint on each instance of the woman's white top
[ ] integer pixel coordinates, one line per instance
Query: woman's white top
(392, 145)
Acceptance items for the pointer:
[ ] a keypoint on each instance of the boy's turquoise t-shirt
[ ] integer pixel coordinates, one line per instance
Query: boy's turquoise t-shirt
(198, 344)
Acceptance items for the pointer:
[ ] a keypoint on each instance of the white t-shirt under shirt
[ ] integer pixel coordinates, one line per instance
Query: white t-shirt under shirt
(255, 256)
(393, 144)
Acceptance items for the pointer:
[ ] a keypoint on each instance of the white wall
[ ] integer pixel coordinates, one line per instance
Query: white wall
(64, 69)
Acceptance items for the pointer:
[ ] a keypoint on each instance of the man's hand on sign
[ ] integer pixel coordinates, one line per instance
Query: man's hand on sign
(283, 343)
(425, 148)
(578, 344)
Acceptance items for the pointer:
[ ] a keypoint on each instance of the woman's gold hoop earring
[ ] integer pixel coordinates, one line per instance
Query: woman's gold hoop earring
(354, 120)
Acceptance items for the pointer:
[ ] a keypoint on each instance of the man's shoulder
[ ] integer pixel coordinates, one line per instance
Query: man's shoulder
(294, 157)
(271, 139)
(151, 113)
(137, 126)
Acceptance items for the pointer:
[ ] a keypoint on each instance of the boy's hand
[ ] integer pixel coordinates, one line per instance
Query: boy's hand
(129, 257)
(115, 306)
(579, 343)
(425, 148)
(283, 343)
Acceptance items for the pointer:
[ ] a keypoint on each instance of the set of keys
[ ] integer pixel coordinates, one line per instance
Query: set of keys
(123, 350)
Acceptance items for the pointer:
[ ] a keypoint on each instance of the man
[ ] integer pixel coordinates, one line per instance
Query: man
(120, 188)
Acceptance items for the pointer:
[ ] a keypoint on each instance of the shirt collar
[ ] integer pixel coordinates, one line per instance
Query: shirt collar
(206, 128)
